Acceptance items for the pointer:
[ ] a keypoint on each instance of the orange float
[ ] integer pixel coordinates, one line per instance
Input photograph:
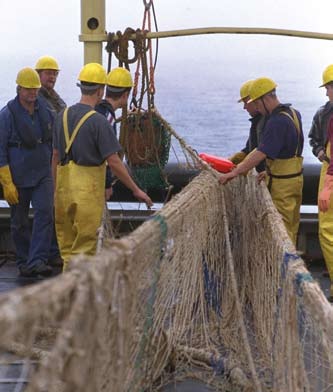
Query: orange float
(222, 165)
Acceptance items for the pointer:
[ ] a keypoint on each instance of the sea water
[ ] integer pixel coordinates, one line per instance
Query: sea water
(198, 91)
(197, 81)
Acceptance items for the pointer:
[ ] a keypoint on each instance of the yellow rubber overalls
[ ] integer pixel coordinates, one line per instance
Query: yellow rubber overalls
(285, 183)
(326, 222)
(79, 202)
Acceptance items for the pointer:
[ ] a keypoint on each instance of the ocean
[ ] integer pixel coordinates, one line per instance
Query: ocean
(197, 82)
(198, 93)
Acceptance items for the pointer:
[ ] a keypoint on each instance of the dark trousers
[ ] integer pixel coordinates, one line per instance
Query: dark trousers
(54, 248)
(33, 244)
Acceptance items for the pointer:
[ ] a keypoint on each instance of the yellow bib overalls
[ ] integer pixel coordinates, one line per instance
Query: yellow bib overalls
(79, 202)
(326, 222)
(285, 183)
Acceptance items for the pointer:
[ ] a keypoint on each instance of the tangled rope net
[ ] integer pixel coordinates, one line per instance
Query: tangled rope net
(218, 295)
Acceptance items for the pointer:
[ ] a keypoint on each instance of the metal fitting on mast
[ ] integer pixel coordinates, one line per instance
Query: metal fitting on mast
(92, 29)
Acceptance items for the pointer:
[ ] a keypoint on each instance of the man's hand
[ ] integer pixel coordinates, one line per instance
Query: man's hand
(261, 176)
(323, 157)
(108, 193)
(9, 189)
(10, 194)
(238, 157)
(324, 196)
(224, 178)
(142, 196)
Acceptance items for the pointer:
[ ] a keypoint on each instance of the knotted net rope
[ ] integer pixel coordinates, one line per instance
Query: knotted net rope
(159, 305)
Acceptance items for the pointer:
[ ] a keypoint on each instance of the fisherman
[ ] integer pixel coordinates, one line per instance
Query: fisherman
(118, 86)
(25, 173)
(325, 203)
(257, 124)
(48, 70)
(83, 142)
(321, 150)
(281, 146)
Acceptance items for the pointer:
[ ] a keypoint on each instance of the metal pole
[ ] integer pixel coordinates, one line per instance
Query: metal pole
(234, 30)
(92, 29)
(240, 30)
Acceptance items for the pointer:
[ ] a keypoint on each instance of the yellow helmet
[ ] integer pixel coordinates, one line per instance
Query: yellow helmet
(28, 78)
(47, 62)
(244, 91)
(93, 73)
(327, 75)
(119, 77)
(261, 87)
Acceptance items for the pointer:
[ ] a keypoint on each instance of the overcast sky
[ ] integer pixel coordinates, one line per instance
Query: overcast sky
(32, 28)
(54, 25)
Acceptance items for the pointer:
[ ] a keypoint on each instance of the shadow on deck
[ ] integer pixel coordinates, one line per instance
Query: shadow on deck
(10, 278)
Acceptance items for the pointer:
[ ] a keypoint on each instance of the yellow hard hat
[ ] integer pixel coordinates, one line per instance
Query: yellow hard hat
(93, 73)
(261, 87)
(119, 77)
(244, 91)
(28, 78)
(47, 62)
(327, 75)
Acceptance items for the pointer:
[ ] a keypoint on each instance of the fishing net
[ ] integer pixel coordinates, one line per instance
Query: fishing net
(145, 141)
(147, 146)
(210, 288)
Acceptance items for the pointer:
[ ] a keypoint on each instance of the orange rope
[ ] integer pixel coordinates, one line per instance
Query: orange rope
(146, 21)
(151, 68)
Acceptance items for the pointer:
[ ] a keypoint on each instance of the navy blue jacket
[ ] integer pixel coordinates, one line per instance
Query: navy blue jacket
(26, 142)
(105, 108)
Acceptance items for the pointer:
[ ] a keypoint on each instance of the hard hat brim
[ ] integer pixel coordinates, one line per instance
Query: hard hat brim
(91, 88)
(114, 89)
(242, 99)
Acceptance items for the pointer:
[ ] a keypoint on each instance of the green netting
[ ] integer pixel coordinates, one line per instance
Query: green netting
(147, 150)
(149, 177)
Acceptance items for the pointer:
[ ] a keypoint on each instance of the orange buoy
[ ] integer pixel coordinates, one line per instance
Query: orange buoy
(222, 165)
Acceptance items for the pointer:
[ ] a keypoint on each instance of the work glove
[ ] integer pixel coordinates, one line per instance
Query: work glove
(9, 189)
(324, 196)
(238, 157)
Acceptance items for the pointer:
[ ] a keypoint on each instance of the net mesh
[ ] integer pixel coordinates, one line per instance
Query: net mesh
(147, 145)
(209, 288)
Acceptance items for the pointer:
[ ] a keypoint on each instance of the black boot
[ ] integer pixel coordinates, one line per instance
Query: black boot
(39, 270)
(56, 261)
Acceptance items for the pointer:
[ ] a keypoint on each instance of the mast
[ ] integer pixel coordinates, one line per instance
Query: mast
(93, 32)
(92, 29)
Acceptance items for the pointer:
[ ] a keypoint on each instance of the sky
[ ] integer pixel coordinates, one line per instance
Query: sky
(39, 27)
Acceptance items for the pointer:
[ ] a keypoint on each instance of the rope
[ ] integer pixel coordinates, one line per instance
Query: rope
(193, 154)
(234, 287)
(102, 230)
(97, 311)
(300, 278)
(240, 30)
(149, 312)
